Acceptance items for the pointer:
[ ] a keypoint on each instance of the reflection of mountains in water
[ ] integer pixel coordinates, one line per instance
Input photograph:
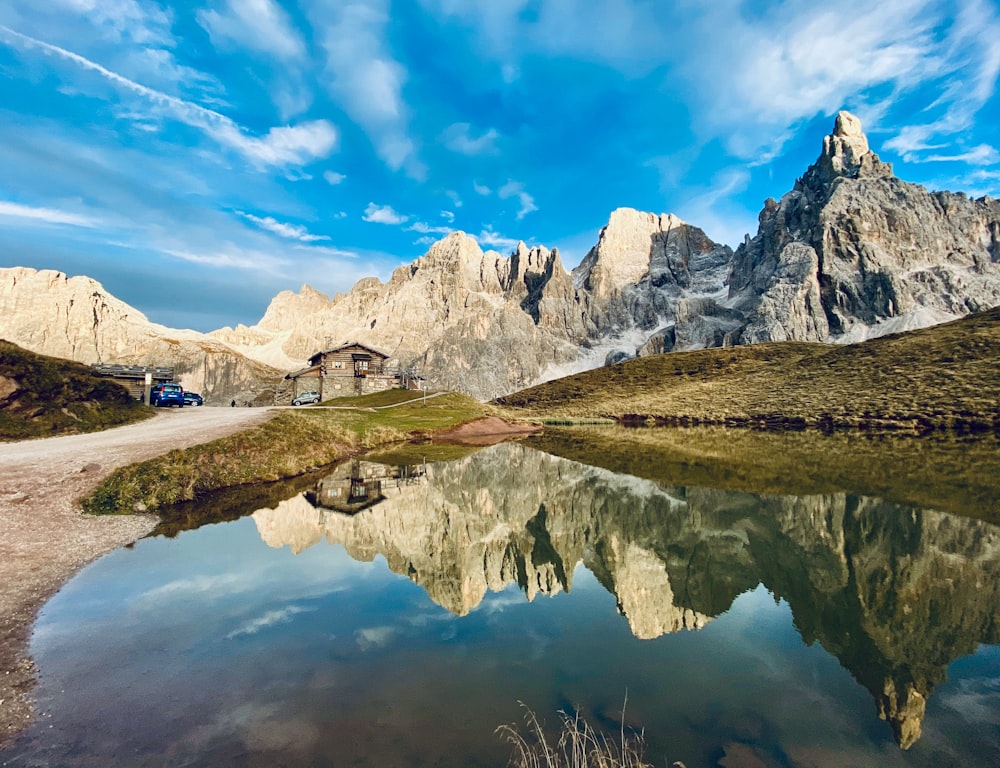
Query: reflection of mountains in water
(895, 593)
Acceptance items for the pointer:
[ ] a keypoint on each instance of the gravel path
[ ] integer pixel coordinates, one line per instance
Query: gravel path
(45, 538)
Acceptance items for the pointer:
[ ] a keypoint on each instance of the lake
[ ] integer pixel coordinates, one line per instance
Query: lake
(396, 612)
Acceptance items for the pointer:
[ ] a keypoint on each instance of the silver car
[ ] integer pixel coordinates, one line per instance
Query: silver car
(306, 397)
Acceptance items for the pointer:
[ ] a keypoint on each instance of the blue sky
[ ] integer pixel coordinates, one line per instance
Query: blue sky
(198, 157)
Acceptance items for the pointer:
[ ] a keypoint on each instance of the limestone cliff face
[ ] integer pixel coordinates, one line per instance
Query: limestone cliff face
(75, 318)
(642, 266)
(853, 252)
(895, 593)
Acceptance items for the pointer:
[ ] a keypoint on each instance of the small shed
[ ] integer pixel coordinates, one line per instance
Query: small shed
(133, 377)
(347, 370)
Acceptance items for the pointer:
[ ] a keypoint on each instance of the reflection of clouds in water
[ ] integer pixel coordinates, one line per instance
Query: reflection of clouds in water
(260, 728)
(269, 619)
(501, 601)
(230, 583)
(374, 637)
(225, 585)
(975, 700)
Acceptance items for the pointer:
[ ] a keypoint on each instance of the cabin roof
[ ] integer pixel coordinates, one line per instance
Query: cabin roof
(158, 373)
(314, 360)
(302, 371)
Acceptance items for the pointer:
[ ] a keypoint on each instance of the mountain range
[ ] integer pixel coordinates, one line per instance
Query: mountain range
(850, 253)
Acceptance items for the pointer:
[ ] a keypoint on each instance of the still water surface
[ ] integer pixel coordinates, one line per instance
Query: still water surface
(396, 615)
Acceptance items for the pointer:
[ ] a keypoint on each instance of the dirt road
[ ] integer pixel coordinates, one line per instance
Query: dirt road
(45, 539)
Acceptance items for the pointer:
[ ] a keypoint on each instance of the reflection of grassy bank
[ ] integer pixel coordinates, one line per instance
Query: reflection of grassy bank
(283, 447)
(937, 378)
(940, 471)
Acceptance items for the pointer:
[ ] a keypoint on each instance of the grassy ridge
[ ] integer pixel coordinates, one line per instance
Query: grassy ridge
(44, 396)
(940, 377)
(282, 447)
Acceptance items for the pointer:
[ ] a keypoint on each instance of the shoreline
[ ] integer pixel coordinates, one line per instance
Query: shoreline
(45, 538)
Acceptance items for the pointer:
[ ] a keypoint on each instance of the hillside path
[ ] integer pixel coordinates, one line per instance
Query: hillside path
(45, 538)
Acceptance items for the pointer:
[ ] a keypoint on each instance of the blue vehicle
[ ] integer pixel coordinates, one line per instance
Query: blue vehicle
(193, 398)
(166, 395)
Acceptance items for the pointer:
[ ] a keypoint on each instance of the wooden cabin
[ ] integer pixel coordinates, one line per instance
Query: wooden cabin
(133, 377)
(348, 370)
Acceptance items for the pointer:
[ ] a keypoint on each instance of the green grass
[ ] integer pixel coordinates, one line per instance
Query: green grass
(943, 377)
(286, 446)
(44, 396)
(377, 399)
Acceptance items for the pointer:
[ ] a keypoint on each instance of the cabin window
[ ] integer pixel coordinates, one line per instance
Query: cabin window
(338, 364)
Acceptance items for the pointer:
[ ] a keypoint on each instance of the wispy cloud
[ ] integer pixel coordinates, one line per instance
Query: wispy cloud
(767, 72)
(427, 229)
(490, 238)
(269, 619)
(333, 178)
(458, 138)
(230, 256)
(516, 189)
(280, 146)
(365, 78)
(290, 231)
(47, 215)
(383, 214)
(260, 25)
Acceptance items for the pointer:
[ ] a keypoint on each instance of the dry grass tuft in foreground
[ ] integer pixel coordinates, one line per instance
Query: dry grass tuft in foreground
(577, 745)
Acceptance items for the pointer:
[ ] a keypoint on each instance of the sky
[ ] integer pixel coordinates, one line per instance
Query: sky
(198, 157)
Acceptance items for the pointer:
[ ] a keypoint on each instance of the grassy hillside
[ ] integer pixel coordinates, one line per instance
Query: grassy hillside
(43, 396)
(941, 377)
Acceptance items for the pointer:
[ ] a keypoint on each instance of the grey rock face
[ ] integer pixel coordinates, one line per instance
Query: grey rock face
(853, 252)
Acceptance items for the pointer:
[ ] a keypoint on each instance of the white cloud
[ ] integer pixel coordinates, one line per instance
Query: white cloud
(47, 215)
(230, 256)
(281, 146)
(490, 238)
(365, 79)
(383, 214)
(516, 189)
(458, 138)
(260, 25)
(290, 231)
(333, 178)
(426, 229)
(145, 24)
(481, 189)
(983, 154)
(448, 216)
(269, 619)
(766, 72)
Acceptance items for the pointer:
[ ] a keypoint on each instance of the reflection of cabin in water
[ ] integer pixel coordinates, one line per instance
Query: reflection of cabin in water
(133, 377)
(350, 369)
(356, 485)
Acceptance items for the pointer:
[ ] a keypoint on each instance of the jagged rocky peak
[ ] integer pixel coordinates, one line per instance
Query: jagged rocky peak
(288, 307)
(846, 152)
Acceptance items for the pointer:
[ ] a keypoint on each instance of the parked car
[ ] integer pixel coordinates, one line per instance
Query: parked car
(306, 397)
(193, 398)
(166, 394)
